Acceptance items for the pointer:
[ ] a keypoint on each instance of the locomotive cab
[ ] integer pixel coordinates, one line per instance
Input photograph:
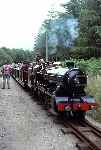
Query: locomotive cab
(73, 83)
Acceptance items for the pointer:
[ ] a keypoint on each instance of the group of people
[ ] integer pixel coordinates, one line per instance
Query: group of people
(7, 69)
(6, 73)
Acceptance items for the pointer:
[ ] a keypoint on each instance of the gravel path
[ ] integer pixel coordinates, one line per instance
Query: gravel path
(24, 125)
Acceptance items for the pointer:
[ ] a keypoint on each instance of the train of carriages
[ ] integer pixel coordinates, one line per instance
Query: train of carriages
(59, 88)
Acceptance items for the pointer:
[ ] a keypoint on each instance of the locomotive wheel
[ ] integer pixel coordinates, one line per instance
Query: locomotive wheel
(46, 102)
(25, 84)
(42, 99)
(55, 107)
(35, 92)
(68, 114)
(32, 91)
(62, 114)
(39, 97)
(80, 115)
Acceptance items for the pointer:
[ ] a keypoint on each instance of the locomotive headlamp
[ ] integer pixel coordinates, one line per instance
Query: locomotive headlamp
(93, 107)
(67, 108)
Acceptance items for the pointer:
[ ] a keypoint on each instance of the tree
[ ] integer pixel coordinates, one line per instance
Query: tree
(89, 18)
(14, 55)
(61, 35)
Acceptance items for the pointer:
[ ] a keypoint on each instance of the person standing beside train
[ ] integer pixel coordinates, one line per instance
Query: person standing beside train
(6, 73)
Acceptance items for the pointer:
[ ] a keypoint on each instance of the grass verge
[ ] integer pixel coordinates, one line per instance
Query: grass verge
(94, 89)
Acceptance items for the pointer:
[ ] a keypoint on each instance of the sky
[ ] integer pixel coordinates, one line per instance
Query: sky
(20, 21)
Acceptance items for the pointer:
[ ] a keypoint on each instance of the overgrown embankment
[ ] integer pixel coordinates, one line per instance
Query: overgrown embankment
(93, 69)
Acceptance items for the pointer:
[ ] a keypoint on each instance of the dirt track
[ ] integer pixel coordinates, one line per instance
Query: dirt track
(24, 125)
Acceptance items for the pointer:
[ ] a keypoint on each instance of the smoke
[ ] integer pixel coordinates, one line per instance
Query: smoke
(63, 32)
(72, 24)
(53, 42)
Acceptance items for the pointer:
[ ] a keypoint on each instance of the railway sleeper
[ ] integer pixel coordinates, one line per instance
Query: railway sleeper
(82, 146)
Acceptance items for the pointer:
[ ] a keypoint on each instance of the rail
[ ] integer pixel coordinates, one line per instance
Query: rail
(81, 130)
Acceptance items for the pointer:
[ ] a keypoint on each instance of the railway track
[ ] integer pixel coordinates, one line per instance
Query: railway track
(89, 136)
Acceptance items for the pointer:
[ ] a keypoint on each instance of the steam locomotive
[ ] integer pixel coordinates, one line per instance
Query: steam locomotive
(57, 87)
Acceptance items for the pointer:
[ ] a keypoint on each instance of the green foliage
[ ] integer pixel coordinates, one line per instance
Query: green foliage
(14, 55)
(93, 88)
(88, 13)
(74, 7)
(60, 36)
(83, 65)
(88, 42)
(91, 66)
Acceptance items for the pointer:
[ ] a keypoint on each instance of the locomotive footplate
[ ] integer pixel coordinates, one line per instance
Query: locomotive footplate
(84, 103)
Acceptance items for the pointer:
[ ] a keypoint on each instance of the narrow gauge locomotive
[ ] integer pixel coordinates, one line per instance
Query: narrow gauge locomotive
(59, 88)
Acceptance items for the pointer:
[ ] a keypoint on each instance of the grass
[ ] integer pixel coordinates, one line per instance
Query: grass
(94, 89)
